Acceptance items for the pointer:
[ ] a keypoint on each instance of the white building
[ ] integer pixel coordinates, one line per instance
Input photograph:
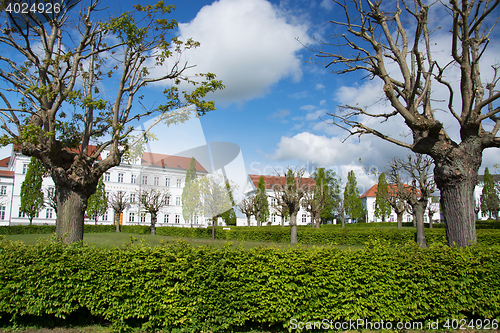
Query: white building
(151, 171)
(368, 202)
(303, 217)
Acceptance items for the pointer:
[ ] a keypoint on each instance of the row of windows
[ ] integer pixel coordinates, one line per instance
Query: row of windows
(133, 197)
(133, 180)
(166, 218)
(49, 213)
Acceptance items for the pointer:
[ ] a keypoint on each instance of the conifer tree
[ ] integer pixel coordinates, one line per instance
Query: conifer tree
(352, 201)
(31, 189)
(229, 216)
(98, 203)
(490, 203)
(382, 205)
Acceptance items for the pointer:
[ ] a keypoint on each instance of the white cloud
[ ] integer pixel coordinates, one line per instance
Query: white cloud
(280, 114)
(248, 44)
(319, 86)
(327, 4)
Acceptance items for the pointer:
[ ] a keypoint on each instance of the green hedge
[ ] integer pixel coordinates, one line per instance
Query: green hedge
(221, 290)
(306, 235)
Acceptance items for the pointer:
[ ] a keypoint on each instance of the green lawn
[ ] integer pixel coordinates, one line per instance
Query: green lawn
(121, 239)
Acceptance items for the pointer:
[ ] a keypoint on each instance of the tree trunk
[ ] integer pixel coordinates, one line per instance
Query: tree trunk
(248, 220)
(456, 177)
(282, 221)
(293, 228)
(419, 210)
(117, 222)
(430, 220)
(31, 221)
(153, 223)
(318, 222)
(343, 221)
(400, 220)
(70, 216)
(214, 221)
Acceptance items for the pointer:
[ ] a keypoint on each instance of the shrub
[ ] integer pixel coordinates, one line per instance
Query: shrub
(219, 290)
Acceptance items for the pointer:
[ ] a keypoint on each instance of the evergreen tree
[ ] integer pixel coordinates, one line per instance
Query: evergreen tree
(332, 181)
(31, 189)
(382, 205)
(229, 216)
(261, 203)
(490, 203)
(98, 203)
(190, 194)
(352, 201)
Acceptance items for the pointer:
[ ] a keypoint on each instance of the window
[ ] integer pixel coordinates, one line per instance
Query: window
(273, 201)
(177, 218)
(144, 180)
(107, 195)
(3, 190)
(167, 182)
(131, 217)
(165, 218)
(48, 213)
(408, 218)
(21, 213)
(25, 168)
(143, 217)
(273, 218)
(374, 205)
(106, 176)
(105, 217)
(132, 197)
(157, 181)
(177, 201)
(133, 179)
(120, 178)
(392, 218)
(196, 219)
(179, 182)
(425, 218)
(2, 212)
(304, 218)
(167, 201)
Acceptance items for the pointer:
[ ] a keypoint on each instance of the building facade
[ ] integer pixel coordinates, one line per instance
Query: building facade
(368, 201)
(158, 171)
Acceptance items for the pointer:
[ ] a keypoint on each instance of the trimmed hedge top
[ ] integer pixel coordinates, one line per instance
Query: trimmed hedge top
(221, 290)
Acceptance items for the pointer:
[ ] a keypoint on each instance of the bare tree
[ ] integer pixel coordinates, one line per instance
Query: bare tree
(419, 169)
(151, 201)
(118, 202)
(377, 39)
(289, 189)
(397, 191)
(246, 206)
(315, 200)
(51, 198)
(55, 105)
(281, 211)
(431, 210)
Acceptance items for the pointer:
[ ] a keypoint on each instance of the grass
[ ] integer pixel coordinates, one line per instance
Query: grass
(121, 239)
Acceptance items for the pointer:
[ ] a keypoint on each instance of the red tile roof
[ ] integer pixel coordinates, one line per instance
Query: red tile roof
(169, 161)
(5, 173)
(372, 192)
(4, 162)
(271, 180)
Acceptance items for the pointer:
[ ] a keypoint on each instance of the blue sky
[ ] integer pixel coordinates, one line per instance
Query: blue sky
(275, 103)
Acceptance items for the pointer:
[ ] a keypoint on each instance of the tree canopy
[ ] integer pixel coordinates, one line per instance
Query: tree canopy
(31, 189)
(382, 205)
(490, 203)
(352, 201)
(416, 50)
(75, 85)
